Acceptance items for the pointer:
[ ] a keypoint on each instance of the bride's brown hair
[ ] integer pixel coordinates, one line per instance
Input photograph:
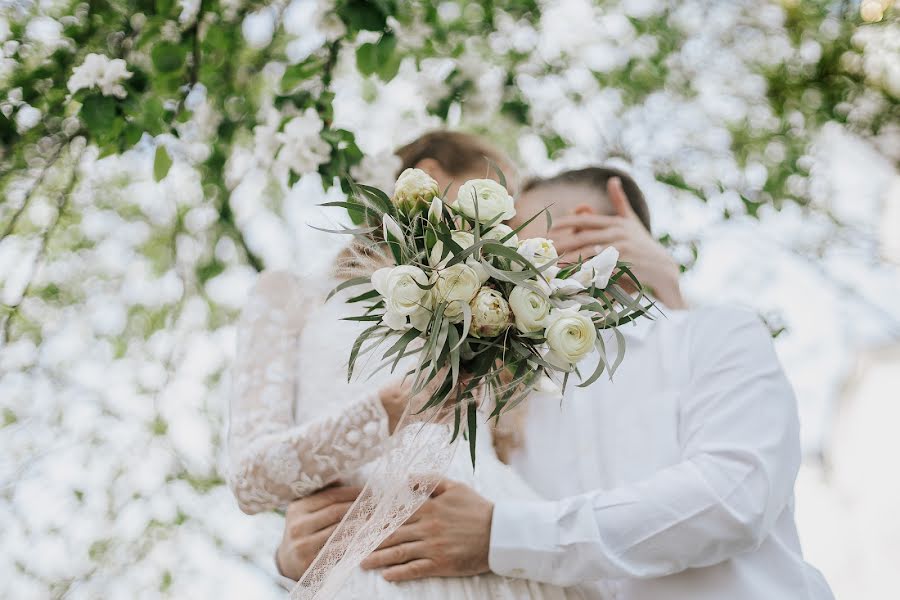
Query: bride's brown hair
(457, 153)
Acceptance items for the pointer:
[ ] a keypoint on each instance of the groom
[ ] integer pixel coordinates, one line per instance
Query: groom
(673, 481)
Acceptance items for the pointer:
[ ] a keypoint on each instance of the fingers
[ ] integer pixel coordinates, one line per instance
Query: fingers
(616, 194)
(324, 498)
(395, 555)
(589, 237)
(405, 533)
(583, 221)
(304, 525)
(416, 569)
(585, 252)
(442, 486)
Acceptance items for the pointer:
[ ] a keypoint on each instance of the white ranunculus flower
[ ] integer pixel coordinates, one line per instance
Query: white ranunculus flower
(570, 336)
(498, 232)
(457, 285)
(539, 251)
(464, 240)
(598, 269)
(414, 189)
(494, 202)
(403, 295)
(530, 309)
(490, 313)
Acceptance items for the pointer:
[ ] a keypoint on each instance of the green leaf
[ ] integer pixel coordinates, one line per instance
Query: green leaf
(455, 342)
(404, 340)
(601, 364)
(367, 58)
(387, 60)
(167, 57)
(295, 74)
(346, 284)
(457, 417)
(366, 15)
(357, 345)
(472, 428)
(161, 163)
(98, 113)
(164, 7)
(496, 168)
(390, 67)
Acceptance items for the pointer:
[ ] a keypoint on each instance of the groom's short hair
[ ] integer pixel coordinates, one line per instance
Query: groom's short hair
(457, 152)
(597, 177)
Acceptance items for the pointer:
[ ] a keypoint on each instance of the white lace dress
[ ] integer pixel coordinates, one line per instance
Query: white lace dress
(297, 425)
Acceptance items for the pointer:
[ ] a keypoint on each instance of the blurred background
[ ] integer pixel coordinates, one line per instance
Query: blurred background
(156, 154)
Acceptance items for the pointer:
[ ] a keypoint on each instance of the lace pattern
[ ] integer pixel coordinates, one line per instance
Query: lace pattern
(274, 460)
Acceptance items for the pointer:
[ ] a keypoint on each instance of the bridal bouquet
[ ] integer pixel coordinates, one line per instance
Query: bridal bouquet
(482, 311)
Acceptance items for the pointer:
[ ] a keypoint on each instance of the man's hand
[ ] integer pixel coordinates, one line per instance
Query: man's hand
(448, 536)
(307, 525)
(586, 234)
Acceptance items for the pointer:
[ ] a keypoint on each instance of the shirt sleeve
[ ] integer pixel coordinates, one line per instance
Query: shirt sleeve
(740, 456)
(273, 459)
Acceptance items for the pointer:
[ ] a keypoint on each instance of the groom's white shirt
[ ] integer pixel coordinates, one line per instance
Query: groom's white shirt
(673, 481)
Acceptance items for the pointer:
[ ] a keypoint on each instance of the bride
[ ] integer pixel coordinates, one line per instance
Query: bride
(296, 424)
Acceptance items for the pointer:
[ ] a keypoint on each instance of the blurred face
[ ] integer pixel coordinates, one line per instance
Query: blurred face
(443, 178)
(560, 199)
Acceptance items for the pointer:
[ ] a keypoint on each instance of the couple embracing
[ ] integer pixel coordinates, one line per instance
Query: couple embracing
(671, 481)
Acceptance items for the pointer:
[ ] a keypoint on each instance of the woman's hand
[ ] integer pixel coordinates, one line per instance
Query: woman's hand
(587, 235)
(395, 397)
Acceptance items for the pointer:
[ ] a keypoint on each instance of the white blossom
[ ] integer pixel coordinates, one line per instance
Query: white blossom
(302, 149)
(101, 72)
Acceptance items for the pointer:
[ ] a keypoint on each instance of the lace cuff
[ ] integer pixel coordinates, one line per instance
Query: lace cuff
(274, 460)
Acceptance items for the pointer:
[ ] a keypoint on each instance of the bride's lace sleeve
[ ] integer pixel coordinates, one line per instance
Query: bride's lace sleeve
(272, 458)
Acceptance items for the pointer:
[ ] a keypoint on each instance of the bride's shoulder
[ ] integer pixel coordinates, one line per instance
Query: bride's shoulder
(285, 289)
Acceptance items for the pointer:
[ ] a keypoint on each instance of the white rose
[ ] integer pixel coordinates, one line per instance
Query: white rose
(490, 313)
(415, 188)
(498, 232)
(570, 335)
(538, 251)
(457, 285)
(598, 269)
(530, 308)
(403, 296)
(494, 202)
